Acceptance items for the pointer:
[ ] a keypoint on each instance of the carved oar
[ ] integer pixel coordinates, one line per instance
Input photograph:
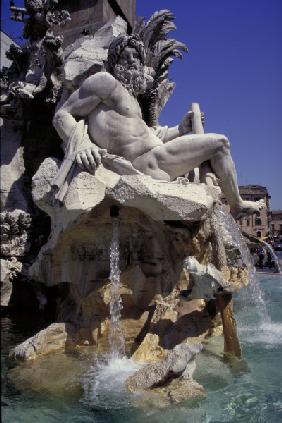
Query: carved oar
(204, 169)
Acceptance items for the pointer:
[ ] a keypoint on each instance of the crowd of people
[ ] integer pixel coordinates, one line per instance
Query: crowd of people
(264, 257)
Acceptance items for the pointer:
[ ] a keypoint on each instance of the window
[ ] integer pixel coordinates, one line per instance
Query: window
(258, 221)
(259, 234)
(248, 222)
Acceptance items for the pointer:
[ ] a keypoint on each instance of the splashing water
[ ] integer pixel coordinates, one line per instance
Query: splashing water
(116, 338)
(229, 230)
(104, 384)
(231, 233)
(273, 256)
(253, 295)
(268, 333)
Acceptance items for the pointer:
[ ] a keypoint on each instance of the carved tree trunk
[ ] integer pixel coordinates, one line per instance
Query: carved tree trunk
(231, 341)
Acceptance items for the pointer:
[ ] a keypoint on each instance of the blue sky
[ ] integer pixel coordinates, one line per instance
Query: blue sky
(234, 70)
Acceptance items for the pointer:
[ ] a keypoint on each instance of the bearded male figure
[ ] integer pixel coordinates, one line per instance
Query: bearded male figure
(107, 102)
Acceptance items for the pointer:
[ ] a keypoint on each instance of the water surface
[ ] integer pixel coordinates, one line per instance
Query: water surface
(80, 388)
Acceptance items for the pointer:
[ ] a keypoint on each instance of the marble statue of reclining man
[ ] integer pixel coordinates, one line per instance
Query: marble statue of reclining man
(107, 103)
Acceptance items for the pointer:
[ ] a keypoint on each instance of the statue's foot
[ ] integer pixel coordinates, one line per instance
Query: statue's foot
(247, 208)
(211, 179)
(181, 180)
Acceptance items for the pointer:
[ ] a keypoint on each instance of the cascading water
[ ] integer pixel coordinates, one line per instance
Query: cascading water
(253, 326)
(116, 338)
(228, 229)
(105, 381)
(273, 256)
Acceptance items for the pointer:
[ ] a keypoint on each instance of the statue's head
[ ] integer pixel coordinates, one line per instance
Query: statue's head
(120, 45)
(126, 62)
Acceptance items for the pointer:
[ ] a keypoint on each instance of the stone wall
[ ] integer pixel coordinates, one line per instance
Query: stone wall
(87, 16)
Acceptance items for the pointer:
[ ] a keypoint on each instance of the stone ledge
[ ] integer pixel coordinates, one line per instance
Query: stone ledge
(159, 200)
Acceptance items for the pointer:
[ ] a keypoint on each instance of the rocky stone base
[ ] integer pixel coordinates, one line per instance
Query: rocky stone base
(167, 247)
(174, 365)
(53, 338)
(169, 380)
(177, 391)
(9, 268)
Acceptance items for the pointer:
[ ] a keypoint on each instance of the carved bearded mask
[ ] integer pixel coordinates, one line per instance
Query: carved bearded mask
(133, 75)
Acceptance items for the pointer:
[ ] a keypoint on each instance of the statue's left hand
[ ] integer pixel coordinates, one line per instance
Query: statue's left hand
(89, 159)
(186, 126)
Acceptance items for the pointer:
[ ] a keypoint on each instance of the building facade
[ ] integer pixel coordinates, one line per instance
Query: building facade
(255, 225)
(276, 223)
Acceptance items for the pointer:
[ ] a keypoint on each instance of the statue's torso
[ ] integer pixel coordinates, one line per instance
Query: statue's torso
(117, 125)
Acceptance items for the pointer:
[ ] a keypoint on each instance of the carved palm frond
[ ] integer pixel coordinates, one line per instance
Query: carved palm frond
(138, 26)
(170, 46)
(160, 52)
(163, 53)
(157, 27)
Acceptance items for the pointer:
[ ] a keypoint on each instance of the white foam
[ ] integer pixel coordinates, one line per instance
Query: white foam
(106, 380)
(269, 333)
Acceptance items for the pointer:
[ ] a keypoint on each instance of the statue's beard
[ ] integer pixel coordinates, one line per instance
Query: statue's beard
(136, 81)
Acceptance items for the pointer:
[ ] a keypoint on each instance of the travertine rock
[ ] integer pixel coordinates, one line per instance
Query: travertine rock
(160, 373)
(6, 279)
(149, 350)
(153, 256)
(15, 226)
(164, 200)
(207, 281)
(151, 253)
(159, 200)
(6, 283)
(12, 167)
(238, 277)
(9, 269)
(151, 259)
(176, 391)
(51, 339)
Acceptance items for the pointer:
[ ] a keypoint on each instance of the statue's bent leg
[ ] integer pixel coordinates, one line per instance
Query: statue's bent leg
(179, 156)
(148, 164)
